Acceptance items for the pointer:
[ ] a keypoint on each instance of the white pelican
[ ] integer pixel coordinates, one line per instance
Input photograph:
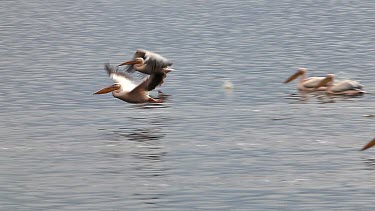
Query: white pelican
(346, 87)
(125, 89)
(148, 62)
(305, 84)
(369, 145)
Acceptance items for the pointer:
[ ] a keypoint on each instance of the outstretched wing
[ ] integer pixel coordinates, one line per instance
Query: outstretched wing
(155, 80)
(150, 83)
(156, 62)
(127, 83)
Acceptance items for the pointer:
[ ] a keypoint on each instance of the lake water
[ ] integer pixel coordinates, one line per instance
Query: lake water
(260, 146)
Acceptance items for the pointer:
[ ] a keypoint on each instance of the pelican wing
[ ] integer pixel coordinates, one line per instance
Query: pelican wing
(127, 83)
(312, 82)
(150, 83)
(155, 80)
(346, 85)
(154, 63)
(156, 60)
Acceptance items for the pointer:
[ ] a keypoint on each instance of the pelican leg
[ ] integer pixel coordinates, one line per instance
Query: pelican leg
(152, 100)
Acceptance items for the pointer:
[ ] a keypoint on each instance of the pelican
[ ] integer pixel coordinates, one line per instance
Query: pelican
(148, 62)
(369, 145)
(127, 90)
(305, 84)
(346, 87)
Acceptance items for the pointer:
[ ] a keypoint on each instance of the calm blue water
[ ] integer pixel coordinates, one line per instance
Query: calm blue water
(261, 146)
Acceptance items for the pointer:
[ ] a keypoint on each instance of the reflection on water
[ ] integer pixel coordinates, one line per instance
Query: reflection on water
(298, 98)
(146, 140)
(149, 199)
(369, 164)
(145, 156)
(142, 153)
(141, 135)
(319, 97)
(150, 147)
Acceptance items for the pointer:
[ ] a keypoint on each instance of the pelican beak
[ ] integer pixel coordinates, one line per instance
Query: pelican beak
(132, 62)
(107, 89)
(369, 145)
(324, 82)
(292, 77)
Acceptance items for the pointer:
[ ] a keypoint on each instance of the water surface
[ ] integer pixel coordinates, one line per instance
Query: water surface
(262, 145)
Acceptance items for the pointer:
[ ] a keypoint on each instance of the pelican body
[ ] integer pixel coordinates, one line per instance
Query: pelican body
(127, 90)
(148, 62)
(306, 84)
(369, 145)
(346, 87)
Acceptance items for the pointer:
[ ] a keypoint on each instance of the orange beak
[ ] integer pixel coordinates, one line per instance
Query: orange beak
(369, 145)
(132, 62)
(108, 89)
(292, 77)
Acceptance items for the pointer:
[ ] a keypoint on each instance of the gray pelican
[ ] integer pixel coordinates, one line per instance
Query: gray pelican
(369, 145)
(148, 62)
(346, 87)
(127, 90)
(305, 84)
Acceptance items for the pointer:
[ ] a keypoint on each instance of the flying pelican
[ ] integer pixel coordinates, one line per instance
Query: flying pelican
(346, 87)
(125, 88)
(148, 62)
(306, 84)
(369, 145)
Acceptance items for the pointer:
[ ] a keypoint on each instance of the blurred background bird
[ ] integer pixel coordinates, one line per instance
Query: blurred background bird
(346, 87)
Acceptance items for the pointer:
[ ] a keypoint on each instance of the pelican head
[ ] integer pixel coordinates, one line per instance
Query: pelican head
(300, 71)
(108, 89)
(137, 61)
(326, 81)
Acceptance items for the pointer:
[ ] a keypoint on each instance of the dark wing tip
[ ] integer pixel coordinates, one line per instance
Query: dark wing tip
(155, 80)
(114, 70)
(109, 68)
